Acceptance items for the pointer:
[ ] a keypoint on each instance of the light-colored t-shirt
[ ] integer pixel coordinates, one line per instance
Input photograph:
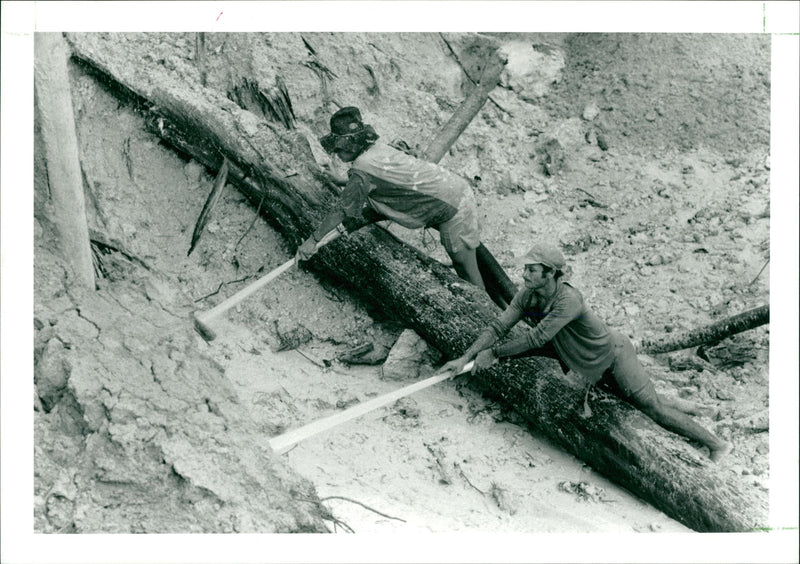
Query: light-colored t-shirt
(407, 190)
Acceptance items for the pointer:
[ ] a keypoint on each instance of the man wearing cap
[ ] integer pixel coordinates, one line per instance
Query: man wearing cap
(568, 330)
(385, 183)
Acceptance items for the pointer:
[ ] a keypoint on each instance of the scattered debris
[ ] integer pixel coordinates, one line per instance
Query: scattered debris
(365, 506)
(291, 339)
(502, 498)
(373, 89)
(273, 103)
(584, 491)
(441, 466)
(368, 354)
(211, 201)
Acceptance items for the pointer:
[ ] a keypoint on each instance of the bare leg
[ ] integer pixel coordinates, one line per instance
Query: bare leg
(466, 266)
(678, 422)
(688, 407)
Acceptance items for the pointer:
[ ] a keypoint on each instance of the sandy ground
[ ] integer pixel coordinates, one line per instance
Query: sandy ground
(440, 460)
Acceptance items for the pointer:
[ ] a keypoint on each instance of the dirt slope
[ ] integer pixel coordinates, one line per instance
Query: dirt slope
(657, 188)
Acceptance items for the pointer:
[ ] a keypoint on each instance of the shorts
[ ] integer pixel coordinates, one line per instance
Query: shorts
(461, 231)
(626, 376)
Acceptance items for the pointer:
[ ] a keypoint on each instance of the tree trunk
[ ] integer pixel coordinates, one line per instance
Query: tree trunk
(709, 334)
(459, 121)
(498, 284)
(54, 106)
(616, 440)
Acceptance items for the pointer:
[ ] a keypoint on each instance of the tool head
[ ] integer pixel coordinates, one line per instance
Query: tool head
(203, 330)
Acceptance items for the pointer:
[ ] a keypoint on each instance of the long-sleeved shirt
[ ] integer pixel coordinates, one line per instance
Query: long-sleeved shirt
(409, 191)
(580, 338)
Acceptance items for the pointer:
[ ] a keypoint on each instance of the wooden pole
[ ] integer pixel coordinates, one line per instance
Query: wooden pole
(282, 443)
(54, 106)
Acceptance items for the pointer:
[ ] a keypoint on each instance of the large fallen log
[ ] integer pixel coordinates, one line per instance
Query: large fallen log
(616, 440)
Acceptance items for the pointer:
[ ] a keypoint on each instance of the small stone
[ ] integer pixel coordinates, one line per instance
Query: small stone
(591, 111)
(724, 395)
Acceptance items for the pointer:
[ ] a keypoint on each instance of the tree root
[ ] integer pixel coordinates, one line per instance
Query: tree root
(362, 505)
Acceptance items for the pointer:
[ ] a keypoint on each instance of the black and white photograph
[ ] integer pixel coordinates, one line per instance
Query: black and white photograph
(432, 284)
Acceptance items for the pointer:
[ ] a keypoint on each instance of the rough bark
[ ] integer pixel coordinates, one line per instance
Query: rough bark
(54, 106)
(709, 334)
(616, 440)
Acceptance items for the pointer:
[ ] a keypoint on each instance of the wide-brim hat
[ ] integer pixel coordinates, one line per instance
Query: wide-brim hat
(347, 130)
(545, 254)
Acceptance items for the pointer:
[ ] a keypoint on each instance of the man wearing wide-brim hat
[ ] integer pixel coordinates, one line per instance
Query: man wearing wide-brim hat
(385, 183)
(565, 328)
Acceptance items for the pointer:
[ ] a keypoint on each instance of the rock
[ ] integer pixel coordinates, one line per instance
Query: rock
(756, 423)
(534, 198)
(193, 172)
(591, 111)
(530, 70)
(551, 156)
(408, 357)
(655, 260)
(51, 374)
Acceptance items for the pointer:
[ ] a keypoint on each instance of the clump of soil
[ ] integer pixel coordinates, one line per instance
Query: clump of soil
(646, 157)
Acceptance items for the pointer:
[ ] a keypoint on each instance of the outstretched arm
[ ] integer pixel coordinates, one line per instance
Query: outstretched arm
(481, 350)
(565, 309)
(349, 206)
(309, 246)
(485, 340)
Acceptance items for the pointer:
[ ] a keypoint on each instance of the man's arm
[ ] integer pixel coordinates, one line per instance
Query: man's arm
(349, 205)
(495, 331)
(328, 224)
(565, 309)
(309, 246)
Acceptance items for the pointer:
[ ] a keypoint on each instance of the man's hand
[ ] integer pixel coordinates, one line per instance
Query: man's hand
(483, 361)
(307, 249)
(455, 366)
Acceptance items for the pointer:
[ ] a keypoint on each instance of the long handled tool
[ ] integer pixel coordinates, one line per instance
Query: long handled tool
(202, 319)
(282, 443)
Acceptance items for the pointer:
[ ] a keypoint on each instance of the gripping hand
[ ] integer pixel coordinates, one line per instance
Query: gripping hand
(307, 249)
(483, 361)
